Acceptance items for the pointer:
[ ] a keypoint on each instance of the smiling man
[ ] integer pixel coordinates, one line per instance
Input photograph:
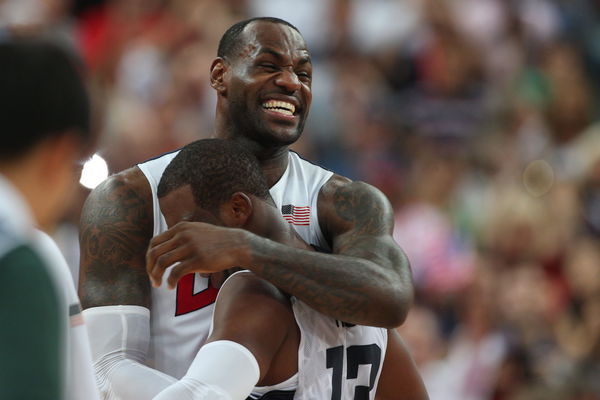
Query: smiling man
(262, 77)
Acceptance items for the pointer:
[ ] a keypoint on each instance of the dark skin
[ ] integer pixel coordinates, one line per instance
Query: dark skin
(367, 279)
(248, 305)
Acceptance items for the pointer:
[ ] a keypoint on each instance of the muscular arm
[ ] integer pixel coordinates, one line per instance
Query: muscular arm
(255, 340)
(367, 279)
(115, 228)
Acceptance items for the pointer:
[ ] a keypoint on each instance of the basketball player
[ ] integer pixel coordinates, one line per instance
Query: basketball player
(262, 77)
(260, 334)
(44, 119)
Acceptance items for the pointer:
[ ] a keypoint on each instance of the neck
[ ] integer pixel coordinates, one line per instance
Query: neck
(273, 159)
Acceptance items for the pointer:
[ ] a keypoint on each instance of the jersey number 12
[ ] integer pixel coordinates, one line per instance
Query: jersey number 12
(355, 356)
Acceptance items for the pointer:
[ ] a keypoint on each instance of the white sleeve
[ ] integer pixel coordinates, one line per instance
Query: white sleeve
(222, 370)
(119, 339)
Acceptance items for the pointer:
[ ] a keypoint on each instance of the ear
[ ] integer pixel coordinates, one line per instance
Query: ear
(60, 156)
(236, 212)
(218, 69)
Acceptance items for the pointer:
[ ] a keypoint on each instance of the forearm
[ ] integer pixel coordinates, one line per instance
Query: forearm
(222, 370)
(119, 338)
(129, 379)
(348, 288)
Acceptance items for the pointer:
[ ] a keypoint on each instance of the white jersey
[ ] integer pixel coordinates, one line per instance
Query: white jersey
(180, 319)
(335, 360)
(81, 383)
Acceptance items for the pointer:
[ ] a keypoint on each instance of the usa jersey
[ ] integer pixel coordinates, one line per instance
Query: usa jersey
(336, 360)
(180, 319)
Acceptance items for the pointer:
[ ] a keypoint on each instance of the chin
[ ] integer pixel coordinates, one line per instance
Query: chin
(281, 135)
(283, 138)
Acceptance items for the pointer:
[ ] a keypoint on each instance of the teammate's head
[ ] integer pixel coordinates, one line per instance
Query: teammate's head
(262, 76)
(205, 177)
(41, 96)
(44, 124)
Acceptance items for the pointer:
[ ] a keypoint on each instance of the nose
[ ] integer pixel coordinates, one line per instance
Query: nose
(288, 80)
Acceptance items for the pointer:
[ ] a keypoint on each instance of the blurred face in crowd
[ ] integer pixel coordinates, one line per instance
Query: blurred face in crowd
(59, 162)
(268, 84)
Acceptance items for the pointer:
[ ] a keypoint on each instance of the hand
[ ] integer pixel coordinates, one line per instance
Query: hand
(197, 247)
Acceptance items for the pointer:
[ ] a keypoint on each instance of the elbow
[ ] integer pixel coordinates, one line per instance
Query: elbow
(398, 307)
(398, 299)
(401, 293)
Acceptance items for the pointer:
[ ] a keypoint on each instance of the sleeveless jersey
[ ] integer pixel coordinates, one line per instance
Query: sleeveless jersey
(180, 319)
(335, 360)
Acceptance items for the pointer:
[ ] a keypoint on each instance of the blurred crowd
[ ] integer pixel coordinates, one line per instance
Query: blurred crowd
(477, 118)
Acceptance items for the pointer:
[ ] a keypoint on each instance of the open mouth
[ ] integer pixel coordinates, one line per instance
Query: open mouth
(280, 107)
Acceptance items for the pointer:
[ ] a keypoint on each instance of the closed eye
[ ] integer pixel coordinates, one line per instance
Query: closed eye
(268, 67)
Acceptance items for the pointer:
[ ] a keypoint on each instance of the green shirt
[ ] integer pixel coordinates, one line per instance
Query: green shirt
(31, 333)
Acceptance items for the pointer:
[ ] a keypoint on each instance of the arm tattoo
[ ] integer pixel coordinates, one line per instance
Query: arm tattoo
(353, 283)
(321, 289)
(115, 228)
(358, 212)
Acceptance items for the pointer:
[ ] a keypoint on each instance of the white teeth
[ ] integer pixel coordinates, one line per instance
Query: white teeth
(282, 107)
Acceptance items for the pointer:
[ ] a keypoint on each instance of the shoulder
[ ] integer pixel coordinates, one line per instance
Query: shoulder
(247, 285)
(339, 186)
(247, 303)
(126, 192)
(20, 254)
(344, 202)
(132, 179)
(27, 273)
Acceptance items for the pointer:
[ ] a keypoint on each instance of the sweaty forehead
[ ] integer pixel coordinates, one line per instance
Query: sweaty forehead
(274, 36)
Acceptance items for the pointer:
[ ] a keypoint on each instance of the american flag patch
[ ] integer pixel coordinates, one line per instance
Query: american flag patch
(296, 215)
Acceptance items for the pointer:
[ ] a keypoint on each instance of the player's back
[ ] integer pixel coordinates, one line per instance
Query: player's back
(336, 360)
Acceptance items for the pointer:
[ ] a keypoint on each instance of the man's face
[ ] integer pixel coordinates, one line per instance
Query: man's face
(269, 84)
(61, 166)
(179, 205)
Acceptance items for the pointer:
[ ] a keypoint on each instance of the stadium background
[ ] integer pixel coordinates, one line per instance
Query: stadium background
(477, 118)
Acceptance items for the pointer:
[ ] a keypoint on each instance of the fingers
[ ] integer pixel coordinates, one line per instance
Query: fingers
(178, 271)
(164, 236)
(162, 256)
